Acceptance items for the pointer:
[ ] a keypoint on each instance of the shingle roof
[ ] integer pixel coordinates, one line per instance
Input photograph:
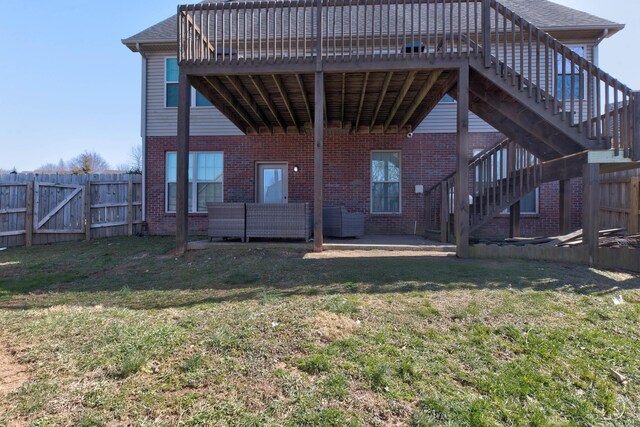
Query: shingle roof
(544, 14)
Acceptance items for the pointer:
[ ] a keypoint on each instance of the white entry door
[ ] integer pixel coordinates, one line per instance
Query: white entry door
(273, 184)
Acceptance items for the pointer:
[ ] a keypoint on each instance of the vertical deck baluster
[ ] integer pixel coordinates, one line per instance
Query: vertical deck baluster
(505, 45)
(547, 77)
(413, 34)
(445, 31)
(435, 26)
(616, 119)
(598, 109)
(476, 24)
(624, 124)
(580, 95)
(607, 114)
(572, 95)
(530, 58)
(404, 28)
(538, 93)
(282, 31)
(304, 30)
(522, 49)
(396, 31)
(564, 83)
(452, 34)
(589, 84)
(335, 7)
(497, 41)
(514, 67)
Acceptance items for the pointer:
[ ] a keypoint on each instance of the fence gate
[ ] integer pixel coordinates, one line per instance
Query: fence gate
(58, 208)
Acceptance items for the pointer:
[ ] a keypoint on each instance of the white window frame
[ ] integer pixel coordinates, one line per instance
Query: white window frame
(193, 209)
(371, 182)
(193, 90)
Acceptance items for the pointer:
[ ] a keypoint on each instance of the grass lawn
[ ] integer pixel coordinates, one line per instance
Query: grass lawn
(120, 332)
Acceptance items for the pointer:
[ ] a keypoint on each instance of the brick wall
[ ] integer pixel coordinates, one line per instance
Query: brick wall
(426, 158)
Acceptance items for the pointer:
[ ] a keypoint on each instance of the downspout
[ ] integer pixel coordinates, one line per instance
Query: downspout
(596, 50)
(143, 130)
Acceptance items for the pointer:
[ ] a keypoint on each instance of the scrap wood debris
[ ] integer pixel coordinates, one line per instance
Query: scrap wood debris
(613, 238)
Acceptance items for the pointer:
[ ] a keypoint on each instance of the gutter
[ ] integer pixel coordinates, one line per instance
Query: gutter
(143, 130)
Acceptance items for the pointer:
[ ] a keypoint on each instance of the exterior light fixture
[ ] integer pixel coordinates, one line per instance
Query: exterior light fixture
(296, 168)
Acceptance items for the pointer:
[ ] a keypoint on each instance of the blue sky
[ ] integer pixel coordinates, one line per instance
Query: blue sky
(69, 85)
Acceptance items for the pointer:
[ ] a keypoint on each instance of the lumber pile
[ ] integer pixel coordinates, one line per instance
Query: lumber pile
(613, 238)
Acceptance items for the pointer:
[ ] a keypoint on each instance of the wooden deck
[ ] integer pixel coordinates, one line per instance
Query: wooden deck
(356, 66)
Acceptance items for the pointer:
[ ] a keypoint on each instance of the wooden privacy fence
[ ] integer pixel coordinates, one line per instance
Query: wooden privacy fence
(41, 209)
(620, 201)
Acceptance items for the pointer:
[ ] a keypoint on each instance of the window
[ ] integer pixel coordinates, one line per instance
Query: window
(570, 72)
(171, 74)
(205, 180)
(385, 182)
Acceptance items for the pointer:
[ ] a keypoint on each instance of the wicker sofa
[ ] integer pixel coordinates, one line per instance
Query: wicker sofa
(278, 221)
(338, 222)
(226, 220)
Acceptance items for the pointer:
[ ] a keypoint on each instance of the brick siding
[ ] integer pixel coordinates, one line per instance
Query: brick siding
(426, 158)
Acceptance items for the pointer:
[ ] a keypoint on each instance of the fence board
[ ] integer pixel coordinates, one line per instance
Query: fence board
(41, 209)
(620, 201)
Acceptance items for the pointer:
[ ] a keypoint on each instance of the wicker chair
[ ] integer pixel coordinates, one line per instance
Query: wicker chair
(226, 220)
(278, 221)
(340, 223)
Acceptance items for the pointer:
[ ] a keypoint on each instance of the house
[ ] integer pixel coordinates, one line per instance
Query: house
(385, 107)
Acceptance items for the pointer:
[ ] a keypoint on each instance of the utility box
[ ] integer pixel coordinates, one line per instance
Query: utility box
(419, 189)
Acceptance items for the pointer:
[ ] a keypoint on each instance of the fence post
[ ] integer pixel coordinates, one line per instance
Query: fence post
(634, 208)
(28, 217)
(635, 117)
(87, 210)
(130, 207)
(486, 32)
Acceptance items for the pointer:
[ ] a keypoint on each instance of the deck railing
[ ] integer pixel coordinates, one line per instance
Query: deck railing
(221, 32)
(555, 75)
(525, 57)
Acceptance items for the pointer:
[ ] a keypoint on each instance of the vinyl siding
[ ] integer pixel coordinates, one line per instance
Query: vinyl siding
(162, 121)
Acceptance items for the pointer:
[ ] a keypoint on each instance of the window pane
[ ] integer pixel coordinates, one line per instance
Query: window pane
(564, 86)
(208, 193)
(172, 172)
(529, 203)
(172, 95)
(201, 101)
(205, 166)
(385, 197)
(385, 167)
(172, 70)
(171, 197)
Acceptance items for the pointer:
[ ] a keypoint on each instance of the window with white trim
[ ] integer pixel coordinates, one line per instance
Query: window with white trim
(385, 181)
(206, 176)
(171, 74)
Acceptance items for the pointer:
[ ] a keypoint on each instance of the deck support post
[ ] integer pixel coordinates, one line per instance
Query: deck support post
(514, 220)
(591, 209)
(182, 184)
(461, 193)
(635, 116)
(486, 32)
(565, 206)
(318, 162)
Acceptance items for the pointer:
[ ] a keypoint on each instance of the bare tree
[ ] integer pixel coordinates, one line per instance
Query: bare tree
(60, 167)
(88, 162)
(136, 157)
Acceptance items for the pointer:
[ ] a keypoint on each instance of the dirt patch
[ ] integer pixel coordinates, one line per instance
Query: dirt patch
(331, 326)
(373, 253)
(12, 374)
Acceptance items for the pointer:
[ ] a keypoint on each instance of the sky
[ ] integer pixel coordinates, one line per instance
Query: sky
(69, 85)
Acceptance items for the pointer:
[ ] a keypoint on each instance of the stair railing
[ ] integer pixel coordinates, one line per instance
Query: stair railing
(498, 177)
(553, 74)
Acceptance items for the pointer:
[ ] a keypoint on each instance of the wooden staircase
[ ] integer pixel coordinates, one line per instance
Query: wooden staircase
(499, 177)
(545, 96)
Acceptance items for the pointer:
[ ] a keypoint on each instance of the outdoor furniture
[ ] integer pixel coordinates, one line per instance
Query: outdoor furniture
(226, 220)
(338, 222)
(278, 221)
